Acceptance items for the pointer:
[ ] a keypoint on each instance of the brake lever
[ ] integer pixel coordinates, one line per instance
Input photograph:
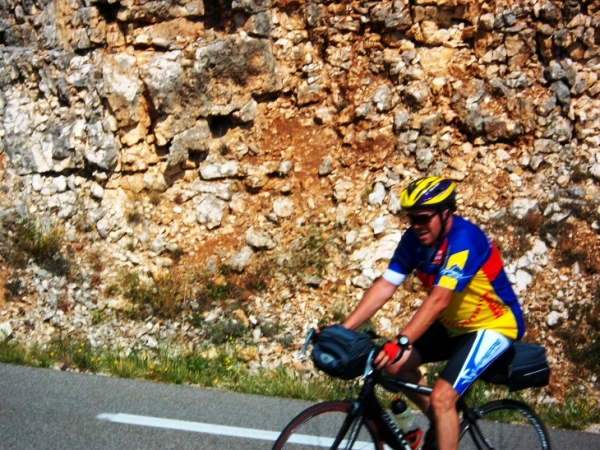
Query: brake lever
(369, 365)
(307, 341)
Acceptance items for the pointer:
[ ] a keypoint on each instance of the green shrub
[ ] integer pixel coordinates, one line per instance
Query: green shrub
(177, 254)
(578, 410)
(13, 289)
(581, 336)
(225, 269)
(154, 197)
(517, 242)
(41, 241)
(134, 216)
(165, 298)
(228, 330)
(270, 330)
(310, 254)
(33, 238)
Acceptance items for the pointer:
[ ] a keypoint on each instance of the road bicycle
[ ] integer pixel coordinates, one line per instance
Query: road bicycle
(362, 422)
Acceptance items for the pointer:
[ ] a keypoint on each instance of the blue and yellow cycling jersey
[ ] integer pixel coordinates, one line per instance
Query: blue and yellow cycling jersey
(469, 264)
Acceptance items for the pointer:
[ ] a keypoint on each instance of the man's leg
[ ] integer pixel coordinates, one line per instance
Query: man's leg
(407, 369)
(434, 345)
(443, 407)
(474, 353)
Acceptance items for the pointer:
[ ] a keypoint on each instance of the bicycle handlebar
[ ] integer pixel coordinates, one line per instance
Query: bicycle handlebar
(369, 364)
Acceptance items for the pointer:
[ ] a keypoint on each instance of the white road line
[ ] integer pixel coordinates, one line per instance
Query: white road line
(183, 425)
(210, 428)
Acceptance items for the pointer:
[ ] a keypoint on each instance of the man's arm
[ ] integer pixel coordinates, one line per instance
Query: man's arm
(429, 310)
(377, 295)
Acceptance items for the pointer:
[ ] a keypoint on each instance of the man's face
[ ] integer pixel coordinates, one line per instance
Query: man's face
(427, 225)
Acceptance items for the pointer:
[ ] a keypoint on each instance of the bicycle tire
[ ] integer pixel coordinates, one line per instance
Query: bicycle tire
(316, 428)
(507, 424)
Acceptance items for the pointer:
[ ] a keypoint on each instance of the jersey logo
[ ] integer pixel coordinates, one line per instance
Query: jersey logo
(455, 265)
(470, 373)
(475, 364)
(454, 272)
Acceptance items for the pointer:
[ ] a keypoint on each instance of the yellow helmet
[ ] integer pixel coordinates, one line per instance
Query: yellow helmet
(429, 192)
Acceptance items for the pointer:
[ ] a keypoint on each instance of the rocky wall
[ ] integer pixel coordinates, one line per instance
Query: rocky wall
(257, 117)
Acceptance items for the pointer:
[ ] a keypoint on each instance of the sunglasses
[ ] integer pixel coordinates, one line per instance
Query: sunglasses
(421, 219)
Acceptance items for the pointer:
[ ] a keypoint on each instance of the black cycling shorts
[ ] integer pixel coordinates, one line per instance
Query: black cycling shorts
(468, 355)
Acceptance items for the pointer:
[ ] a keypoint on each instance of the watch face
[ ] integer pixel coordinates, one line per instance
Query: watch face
(403, 340)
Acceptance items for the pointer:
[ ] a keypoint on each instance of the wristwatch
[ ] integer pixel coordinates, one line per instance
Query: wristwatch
(403, 341)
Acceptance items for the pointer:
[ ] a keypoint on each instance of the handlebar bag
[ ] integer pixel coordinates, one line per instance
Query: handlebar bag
(340, 352)
(522, 366)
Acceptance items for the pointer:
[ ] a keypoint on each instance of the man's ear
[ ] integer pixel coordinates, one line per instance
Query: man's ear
(447, 213)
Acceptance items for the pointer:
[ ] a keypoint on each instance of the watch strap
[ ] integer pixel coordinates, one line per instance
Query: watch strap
(400, 338)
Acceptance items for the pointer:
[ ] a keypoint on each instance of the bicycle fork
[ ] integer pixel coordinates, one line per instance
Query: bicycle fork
(353, 421)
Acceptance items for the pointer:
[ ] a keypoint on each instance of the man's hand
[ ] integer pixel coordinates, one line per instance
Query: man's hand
(393, 351)
(390, 353)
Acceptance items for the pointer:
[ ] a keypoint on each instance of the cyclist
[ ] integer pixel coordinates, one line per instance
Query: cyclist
(470, 316)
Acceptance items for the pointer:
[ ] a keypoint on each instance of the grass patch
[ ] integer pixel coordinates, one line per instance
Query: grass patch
(225, 370)
(309, 255)
(40, 240)
(577, 412)
(226, 331)
(30, 238)
(190, 292)
(164, 297)
(173, 292)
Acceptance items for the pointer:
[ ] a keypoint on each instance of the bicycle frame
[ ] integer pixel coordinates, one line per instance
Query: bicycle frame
(367, 409)
(368, 406)
(387, 429)
(386, 425)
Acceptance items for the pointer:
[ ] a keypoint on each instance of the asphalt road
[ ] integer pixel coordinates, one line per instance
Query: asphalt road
(49, 409)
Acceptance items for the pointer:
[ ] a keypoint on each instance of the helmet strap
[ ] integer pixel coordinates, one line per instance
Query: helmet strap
(444, 222)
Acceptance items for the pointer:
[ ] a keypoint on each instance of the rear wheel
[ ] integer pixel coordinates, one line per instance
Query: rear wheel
(507, 424)
(328, 425)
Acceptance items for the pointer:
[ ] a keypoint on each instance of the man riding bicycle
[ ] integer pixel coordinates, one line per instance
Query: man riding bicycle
(470, 316)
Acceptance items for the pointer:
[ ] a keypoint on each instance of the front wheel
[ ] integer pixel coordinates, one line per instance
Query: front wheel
(508, 424)
(333, 425)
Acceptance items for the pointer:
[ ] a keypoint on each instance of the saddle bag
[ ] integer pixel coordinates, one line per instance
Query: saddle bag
(340, 352)
(523, 365)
